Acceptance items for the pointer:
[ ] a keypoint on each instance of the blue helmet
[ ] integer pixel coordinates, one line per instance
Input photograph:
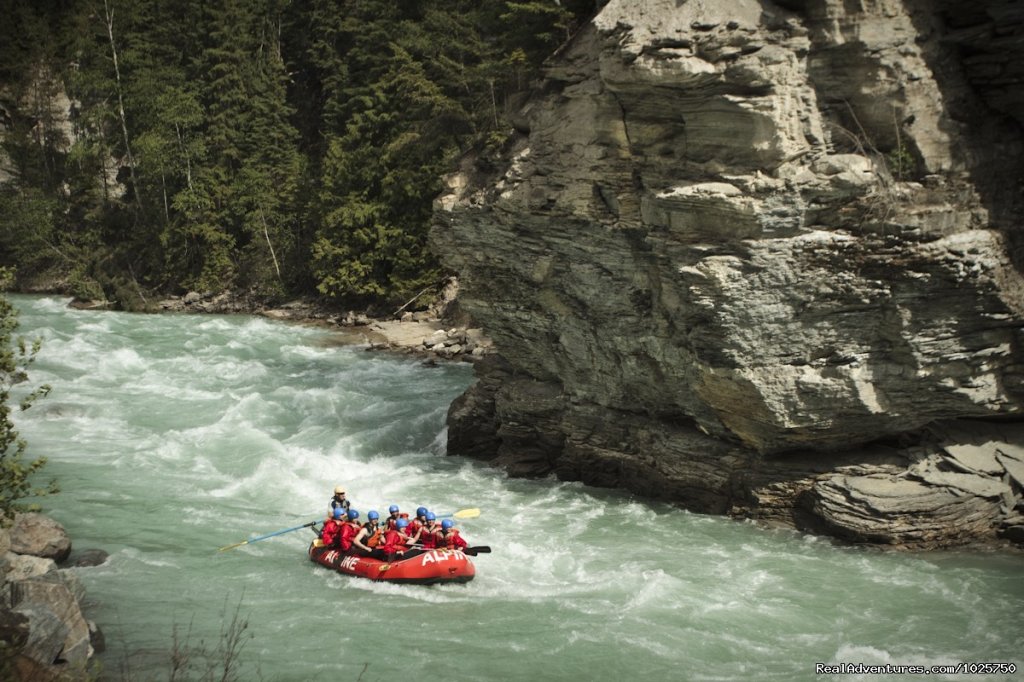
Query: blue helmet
(421, 511)
(372, 515)
(393, 508)
(339, 512)
(401, 523)
(353, 514)
(431, 517)
(447, 523)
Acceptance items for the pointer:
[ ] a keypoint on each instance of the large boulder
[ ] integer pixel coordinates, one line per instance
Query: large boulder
(40, 536)
(790, 227)
(25, 566)
(59, 632)
(44, 636)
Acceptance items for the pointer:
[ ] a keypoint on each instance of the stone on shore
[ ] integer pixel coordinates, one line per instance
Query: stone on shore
(41, 536)
(43, 633)
(59, 630)
(25, 566)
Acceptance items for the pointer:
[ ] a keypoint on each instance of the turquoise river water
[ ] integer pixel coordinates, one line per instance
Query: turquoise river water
(173, 435)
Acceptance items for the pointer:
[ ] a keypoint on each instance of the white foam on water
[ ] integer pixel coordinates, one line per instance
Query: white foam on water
(214, 324)
(75, 352)
(56, 305)
(131, 554)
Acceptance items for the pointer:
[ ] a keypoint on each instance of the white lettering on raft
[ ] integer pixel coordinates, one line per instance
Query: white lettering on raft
(437, 556)
(350, 562)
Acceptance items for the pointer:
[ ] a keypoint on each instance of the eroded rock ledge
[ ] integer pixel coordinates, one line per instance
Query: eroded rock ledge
(759, 258)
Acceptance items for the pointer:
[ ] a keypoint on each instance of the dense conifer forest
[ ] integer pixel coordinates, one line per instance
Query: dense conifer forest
(272, 147)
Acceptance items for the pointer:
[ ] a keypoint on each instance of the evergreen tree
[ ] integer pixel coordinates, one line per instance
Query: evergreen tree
(379, 180)
(16, 355)
(262, 145)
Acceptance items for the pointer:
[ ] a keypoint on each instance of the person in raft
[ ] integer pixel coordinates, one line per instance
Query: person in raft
(331, 533)
(369, 536)
(397, 544)
(431, 534)
(391, 518)
(339, 501)
(349, 530)
(394, 515)
(450, 538)
(416, 524)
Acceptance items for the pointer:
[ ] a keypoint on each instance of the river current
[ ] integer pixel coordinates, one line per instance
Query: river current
(174, 435)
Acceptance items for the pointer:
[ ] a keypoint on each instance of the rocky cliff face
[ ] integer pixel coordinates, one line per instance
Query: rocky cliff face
(758, 258)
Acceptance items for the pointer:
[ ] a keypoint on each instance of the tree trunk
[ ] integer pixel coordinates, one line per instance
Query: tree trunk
(266, 233)
(120, 104)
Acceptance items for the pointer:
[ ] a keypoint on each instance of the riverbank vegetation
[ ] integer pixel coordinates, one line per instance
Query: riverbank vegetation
(16, 354)
(270, 146)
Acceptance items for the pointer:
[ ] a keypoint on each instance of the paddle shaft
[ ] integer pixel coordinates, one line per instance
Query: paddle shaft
(268, 535)
(471, 551)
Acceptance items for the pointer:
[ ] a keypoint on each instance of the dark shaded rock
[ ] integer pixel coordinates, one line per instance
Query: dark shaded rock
(30, 670)
(14, 629)
(40, 536)
(529, 414)
(94, 304)
(472, 420)
(1014, 534)
(86, 557)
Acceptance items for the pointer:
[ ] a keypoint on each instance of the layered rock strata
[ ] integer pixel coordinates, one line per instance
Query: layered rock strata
(732, 243)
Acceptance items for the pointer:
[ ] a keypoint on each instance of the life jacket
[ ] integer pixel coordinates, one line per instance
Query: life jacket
(335, 503)
(452, 539)
(329, 535)
(373, 534)
(394, 542)
(413, 526)
(393, 519)
(348, 532)
(430, 536)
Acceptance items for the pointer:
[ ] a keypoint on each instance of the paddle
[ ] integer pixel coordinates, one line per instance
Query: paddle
(471, 551)
(462, 514)
(268, 535)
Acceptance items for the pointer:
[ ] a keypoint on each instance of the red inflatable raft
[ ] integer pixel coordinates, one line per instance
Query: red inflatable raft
(430, 567)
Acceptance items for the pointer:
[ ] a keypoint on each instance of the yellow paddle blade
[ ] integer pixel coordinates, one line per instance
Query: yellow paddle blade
(237, 544)
(467, 513)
